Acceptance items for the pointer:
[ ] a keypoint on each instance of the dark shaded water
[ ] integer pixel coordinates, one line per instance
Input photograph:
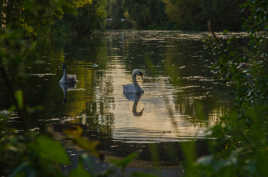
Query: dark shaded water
(179, 103)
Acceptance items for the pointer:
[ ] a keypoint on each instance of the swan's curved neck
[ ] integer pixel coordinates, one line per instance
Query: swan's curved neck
(134, 78)
(64, 73)
(136, 84)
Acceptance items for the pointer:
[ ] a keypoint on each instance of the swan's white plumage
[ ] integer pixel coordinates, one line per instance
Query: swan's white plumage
(135, 87)
(67, 78)
(134, 92)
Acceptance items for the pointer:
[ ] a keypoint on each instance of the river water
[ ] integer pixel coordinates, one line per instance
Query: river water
(180, 101)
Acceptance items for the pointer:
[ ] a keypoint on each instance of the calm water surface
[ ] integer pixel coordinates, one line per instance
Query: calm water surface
(180, 100)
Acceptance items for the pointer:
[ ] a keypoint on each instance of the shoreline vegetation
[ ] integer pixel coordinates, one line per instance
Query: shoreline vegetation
(31, 28)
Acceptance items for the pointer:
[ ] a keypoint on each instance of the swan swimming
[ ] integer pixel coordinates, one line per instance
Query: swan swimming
(135, 87)
(69, 79)
(133, 92)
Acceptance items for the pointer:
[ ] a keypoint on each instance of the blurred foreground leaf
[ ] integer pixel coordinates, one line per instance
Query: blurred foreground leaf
(82, 142)
(19, 169)
(50, 150)
(79, 171)
(139, 174)
(74, 133)
(19, 97)
(125, 161)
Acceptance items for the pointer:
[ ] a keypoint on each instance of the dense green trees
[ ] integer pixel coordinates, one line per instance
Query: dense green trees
(139, 14)
(194, 14)
(176, 14)
(34, 17)
(38, 18)
(146, 14)
(89, 17)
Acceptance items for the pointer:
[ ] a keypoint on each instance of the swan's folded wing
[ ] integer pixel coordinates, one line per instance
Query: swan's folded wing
(72, 78)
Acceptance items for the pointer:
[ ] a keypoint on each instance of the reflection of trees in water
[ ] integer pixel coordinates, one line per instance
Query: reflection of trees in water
(93, 50)
(99, 119)
(207, 108)
(197, 94)
(134, 48)
(171, 115)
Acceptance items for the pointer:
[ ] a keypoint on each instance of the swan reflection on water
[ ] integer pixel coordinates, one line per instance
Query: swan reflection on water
(65, 88)
(133, 92)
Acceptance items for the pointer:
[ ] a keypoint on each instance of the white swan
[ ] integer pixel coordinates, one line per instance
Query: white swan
(135, 87)
(67, 82)
(133, 92)
(69, 79)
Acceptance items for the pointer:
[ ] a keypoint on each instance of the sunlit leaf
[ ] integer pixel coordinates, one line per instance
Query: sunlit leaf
(19, 97)
(28, 28)
(81, 3)
(87, 145)
(74, 133)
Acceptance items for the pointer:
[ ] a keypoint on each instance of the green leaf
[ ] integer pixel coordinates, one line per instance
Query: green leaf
(19, 169)
(19, 97)
(139, 174)
(79, 172)
(50, 150)
(124, 162)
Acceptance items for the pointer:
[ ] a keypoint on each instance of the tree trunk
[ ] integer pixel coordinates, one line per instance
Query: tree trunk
(3, 14)
(211, 30)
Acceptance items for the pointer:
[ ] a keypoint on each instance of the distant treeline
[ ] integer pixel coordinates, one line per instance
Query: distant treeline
(81, 17)
(43, 18)
(175, 14)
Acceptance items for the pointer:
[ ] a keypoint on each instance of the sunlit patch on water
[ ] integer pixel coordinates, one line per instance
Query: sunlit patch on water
(43, 75)
(167, 116)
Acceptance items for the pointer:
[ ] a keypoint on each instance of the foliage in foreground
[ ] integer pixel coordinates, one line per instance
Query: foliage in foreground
(33, 155)
(241, 145)
(240, 148)
(26, 29)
